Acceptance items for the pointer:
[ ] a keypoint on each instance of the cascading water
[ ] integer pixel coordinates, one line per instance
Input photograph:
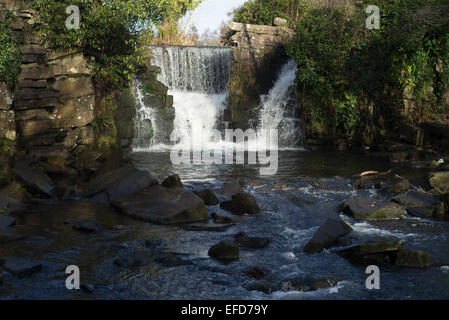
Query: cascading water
(278, 109)
(197, 79)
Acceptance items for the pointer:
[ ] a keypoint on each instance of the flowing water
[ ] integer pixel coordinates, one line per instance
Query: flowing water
(308, 188)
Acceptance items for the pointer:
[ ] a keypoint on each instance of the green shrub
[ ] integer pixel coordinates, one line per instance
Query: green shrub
(10, 55)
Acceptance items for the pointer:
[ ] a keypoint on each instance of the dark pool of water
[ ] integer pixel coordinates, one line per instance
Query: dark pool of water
(315, 185)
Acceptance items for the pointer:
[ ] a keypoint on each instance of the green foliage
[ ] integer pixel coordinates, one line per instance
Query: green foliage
(339, 59)
(10, 55)
(110, 33)
(264, 11)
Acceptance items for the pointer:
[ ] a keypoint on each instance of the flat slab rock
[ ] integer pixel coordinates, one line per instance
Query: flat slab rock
(161, 205)
(416, 199)
(372, 209)
(217, 227)
(20, 267)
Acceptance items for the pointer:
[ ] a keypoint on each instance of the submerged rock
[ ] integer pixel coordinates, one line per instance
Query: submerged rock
(8, 235)
(218, 227)
(372, 209)
(250, 242)
(372, 252)
(241, 203)
(259, 285)
(173, 181)
(160, 205)
(256, 273)
(327, 235)
(414, 259)
(118, 183)
(145, 257)
(20, 267)
(222, 219)
(224, 251)
(209, 198)
(87, 226)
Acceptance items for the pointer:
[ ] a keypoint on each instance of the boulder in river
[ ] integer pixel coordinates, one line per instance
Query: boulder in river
(160, 205)
(118, 183)
(20, 267)
(377, 253)
(440, 181)
(418, 203)
(241, 203)
(224, 251)
(250, 242)
(36, 179)
(173, 181)
(209, 198)
(87, 226)
(414, 259)
(372, 209)
(307, 284)
(327, 235)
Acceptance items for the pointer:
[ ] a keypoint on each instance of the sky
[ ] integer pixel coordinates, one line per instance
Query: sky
(211, 13)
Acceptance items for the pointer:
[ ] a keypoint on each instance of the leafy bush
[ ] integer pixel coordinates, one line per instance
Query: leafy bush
(339, 59)
(264, 11)
(10, 55)
(109, 33)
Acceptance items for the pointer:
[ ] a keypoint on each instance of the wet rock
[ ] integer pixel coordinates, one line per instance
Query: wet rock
(440, 181)
(118, 183)
(230, 188)
(420, 212)
(327, 235)
(414, 259)
(8, 235)
(173, 181)
(250, 242)
(241, 203)
(372, 209)
(160, 205)
(35, 179)
(222, 219)
(256, 273)
(6, 221)
(218, 227)
(224, 251)
(399, 187)
(208, 197)
(427, 203)
(20, 267)
(260, 285)
(377, 253)
(306, 284)
(87, 226)
(87, 287)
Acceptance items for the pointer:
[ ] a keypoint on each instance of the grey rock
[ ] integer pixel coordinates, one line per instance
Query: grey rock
(224, 251)
(372, 209)
(327, 235)
(241, 203)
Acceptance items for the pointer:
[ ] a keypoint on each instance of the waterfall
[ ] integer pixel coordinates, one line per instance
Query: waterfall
(278, 109)
(197, 79)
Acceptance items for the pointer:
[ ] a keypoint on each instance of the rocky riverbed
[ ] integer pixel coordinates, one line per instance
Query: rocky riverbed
(150, 230)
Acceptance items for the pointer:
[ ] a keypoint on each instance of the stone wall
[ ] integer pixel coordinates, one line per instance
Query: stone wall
(259, 53)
